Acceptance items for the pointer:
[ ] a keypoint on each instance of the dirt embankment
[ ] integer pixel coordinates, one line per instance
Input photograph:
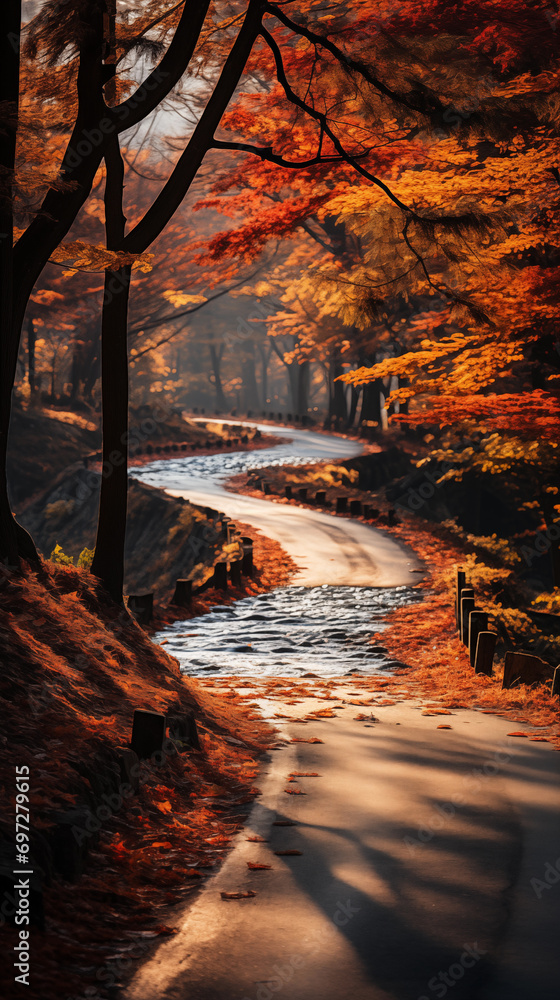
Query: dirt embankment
(44, 444)
(167, 538)
(109, 864)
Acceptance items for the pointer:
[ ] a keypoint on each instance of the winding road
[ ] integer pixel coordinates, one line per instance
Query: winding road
(427, 860)
(326, 548)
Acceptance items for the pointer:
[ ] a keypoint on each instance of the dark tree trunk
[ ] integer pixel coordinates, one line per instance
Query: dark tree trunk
(63, 202)
(371, 402)
(265, 358)
(216, 355)
(14, 540)
(108, 561)
(337, 400)
(31, 337)
(354, 397)
(302, 378)
(250, 397)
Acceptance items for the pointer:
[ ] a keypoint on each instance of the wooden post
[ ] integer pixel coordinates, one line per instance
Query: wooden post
(288, 492)
(356, 507)
(265, 487)
(321, 497)
(467, 605)
(464, 592)
(235, 572)
(148, 732)
(219, 579)
(484, 653)
(556, 682)
(524, 668)
(182, 728)
(142, 607)
(460, 582)
(478, 622)
(302, 494)
(247, 561)
(183, 593)
(341, 503)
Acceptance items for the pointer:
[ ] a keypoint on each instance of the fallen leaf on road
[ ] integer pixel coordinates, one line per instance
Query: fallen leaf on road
(436, 711)
(238, 895)
(310, 739)
(257, 840)
(518, 734)
(257, 866)
(304, 774)
(538, 739)
(443, 727)
(282, 853)
(294, 791)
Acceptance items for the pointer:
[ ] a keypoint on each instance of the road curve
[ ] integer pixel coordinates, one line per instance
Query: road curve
(327, 549)
(421, 861)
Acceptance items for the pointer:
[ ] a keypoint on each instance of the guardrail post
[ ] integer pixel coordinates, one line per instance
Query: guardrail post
(220, 580)
(341, 505)
(142, 607)
(464, 592)
(235, 572)
(148, 732)
(478, 622)
(247, 561)
(183, 593)
(467, 605)
(484, 653)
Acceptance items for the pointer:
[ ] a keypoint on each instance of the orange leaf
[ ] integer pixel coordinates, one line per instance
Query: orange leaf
(238, 895)
(301, 739)
(257, 866)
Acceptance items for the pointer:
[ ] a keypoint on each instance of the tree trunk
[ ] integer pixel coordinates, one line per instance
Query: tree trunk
(302, 377)
(265, 358)
(31, 337)
(337, 400)
(108, 561)
(14, 540)
(250, 397)
(216, 355)
(354, 397)
(371, 402)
